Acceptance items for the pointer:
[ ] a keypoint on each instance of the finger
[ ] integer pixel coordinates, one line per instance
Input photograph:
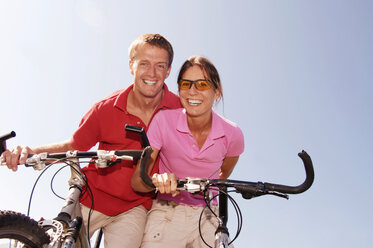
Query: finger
(23, 155)
(4, 155)
(160, 184)
(167, 183)
(155, 181)
(173, 180)
(12, 160)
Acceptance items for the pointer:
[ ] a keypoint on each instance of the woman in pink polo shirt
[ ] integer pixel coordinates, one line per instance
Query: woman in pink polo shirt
(192, 141)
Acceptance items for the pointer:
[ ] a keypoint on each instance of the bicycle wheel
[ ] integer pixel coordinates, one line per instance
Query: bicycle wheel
(19, 230)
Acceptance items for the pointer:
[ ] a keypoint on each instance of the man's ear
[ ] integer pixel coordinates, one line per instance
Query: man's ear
(168, 71)
(130, 64)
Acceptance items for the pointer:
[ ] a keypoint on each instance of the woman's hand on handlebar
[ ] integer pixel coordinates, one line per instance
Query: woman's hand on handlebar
(17, 155)
(166, 183)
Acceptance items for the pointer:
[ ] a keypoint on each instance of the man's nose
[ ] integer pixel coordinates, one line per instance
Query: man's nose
(151, 71)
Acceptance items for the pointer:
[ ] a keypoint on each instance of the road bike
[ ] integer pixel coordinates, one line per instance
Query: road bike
(248, 190)
(66, 230)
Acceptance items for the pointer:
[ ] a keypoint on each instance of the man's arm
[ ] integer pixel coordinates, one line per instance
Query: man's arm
(18, 155)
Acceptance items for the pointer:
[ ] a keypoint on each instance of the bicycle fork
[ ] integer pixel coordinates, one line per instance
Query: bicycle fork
(69, 228)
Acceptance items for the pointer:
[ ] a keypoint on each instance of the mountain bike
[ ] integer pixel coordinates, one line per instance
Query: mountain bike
(66, 230)
(248, 190)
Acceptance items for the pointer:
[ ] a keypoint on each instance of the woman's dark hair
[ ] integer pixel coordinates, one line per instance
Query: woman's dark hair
(209, 70)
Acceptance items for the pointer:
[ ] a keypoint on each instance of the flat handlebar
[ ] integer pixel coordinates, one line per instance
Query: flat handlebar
(102, 158)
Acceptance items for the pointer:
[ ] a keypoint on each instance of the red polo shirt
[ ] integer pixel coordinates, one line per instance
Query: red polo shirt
(104, 124)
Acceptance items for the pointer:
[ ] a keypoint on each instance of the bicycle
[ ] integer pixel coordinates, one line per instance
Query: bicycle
(66, 229)
(248, 190)
(50, 234)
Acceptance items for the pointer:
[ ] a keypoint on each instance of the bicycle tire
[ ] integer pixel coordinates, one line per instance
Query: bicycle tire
(17, 226)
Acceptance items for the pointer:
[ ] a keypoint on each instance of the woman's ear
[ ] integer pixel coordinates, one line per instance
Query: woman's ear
(217, 95)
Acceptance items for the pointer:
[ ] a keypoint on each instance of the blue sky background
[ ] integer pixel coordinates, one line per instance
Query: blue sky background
(296, 75)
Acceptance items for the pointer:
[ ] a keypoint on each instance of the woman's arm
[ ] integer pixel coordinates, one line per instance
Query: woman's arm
(136, 181)
(227, 167)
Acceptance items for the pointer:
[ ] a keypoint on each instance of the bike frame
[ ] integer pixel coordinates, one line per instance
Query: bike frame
(69, 219)
(71, 208)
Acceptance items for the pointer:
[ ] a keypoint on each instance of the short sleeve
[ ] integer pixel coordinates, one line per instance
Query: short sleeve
(236, 142)
(155, 131)
(87, 135)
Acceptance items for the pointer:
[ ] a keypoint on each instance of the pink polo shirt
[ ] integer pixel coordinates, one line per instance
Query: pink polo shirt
(179, 152)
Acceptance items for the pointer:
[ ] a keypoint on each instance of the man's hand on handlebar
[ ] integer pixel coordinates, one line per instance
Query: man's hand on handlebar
(166, 183)
(17, 155)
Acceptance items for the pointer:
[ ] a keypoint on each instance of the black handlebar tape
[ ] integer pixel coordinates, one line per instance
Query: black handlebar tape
(310, 175)
(8, 136)
(136, 154)
(141, 131)
(3, 138)
(144, 166)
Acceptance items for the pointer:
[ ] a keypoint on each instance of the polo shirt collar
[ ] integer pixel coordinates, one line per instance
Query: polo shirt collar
(121, 99)
(216, 131)
(167, 101)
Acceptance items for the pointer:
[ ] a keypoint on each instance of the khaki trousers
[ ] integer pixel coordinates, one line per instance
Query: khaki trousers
(120, 231)
(172, 225)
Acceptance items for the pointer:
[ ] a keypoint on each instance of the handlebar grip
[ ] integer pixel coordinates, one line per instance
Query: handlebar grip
(8, 136)
(3, 139)
(144, 166)
(139, 130)
(310, 175)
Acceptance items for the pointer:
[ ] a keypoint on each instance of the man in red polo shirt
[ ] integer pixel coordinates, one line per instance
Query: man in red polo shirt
(118, 210)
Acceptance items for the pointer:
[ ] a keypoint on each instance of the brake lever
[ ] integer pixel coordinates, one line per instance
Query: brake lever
(192, 184)
(275, 193)
(37, 161)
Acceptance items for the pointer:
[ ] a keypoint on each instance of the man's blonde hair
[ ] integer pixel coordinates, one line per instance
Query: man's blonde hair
(156, 40)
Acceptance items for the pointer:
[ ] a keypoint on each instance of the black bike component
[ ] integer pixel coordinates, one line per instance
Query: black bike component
(310, 175)
(136, 154)
(20, 227)
(3, 139)
(72, 233)
(223, 205)
(251, 189)
(144, 166)
(98, 239)
(75, 227)
(63, 217)
(141, 131)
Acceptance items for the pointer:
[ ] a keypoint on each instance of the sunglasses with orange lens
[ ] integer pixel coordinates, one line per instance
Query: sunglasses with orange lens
(201, 84)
